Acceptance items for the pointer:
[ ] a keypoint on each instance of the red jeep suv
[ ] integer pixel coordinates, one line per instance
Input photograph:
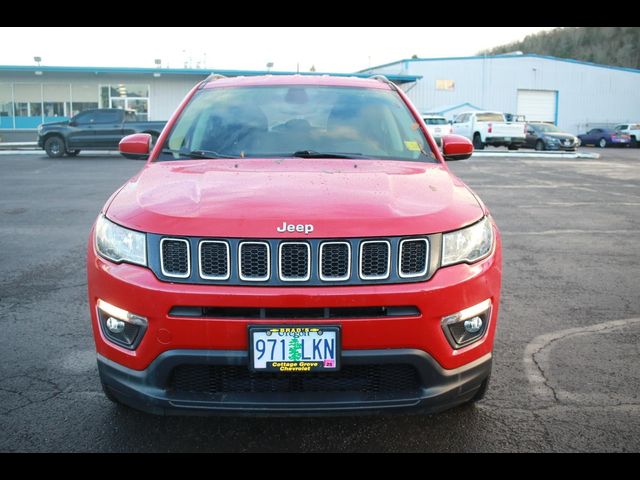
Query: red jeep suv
(294, 244)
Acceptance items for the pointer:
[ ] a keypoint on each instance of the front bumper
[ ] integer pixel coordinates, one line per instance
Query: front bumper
(150, 390)
(448, 376)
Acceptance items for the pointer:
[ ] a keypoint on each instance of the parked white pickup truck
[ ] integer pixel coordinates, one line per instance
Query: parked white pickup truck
(631, 129)
(489, 128)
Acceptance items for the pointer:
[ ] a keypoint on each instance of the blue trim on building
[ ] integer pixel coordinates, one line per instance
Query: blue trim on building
(557, 106)
(186, 71)
(500, 57)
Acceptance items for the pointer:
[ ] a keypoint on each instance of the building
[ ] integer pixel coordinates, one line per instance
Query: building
(572, 94)
(30, 95)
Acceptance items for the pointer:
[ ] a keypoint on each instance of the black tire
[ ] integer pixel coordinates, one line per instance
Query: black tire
(482, 391)
(634, 142)
(602, 143)
(513, 147)
(477, 142)
(54, 146)
(73, 153)
(540, 146)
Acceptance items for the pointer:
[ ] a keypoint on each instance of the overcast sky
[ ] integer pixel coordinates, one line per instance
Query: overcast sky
(329, 49)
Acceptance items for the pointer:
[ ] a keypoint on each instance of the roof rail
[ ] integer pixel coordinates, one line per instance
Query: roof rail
(383, 79)
(211, 78)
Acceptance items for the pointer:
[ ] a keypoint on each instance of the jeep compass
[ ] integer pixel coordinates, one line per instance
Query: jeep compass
(294, 245)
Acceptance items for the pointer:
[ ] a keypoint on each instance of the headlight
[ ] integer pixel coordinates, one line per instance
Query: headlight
(120, 244)
(467, 245)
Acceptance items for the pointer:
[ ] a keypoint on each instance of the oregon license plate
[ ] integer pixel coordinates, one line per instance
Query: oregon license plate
(294, 348)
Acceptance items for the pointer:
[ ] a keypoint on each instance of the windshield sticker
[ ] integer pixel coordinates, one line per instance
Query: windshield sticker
(412, 146)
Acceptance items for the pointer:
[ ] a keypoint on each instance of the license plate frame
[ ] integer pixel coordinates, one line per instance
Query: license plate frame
(287, 333)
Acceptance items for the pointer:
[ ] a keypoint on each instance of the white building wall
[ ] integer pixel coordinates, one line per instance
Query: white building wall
(587, 95)
(167, 93)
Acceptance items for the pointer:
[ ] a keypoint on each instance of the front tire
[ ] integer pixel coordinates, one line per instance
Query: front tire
(73, 153)
(602, 143)
(540, 146)
(478, 144)
(54, 146)
(513, 147)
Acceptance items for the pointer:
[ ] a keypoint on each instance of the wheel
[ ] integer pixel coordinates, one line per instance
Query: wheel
(539, 145)
(513, 147)
(73, 153)
(634, 142)
(477, 142)
(54, 146)
(479, 395)
(602, 143)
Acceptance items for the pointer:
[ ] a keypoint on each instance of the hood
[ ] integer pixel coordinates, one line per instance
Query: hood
(560, 136)
(252, 197)
(55, 124)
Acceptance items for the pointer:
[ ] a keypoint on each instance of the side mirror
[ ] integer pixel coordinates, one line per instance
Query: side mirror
(136, 146)
(456, 147)
(73, 123)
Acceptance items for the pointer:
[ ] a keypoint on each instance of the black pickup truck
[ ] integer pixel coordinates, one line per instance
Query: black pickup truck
(99, 129)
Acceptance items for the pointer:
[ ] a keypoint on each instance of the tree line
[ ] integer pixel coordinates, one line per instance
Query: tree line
(617, 46)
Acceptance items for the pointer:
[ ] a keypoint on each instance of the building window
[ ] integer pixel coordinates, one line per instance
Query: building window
(83, 97)
(28, 98)
(56, 101)
(6, 105)
(447, 85)
(128, 97)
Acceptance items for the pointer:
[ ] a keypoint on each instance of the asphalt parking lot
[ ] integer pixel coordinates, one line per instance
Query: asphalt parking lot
(567, 355)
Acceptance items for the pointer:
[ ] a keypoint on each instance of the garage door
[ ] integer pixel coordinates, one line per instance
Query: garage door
(537, 105)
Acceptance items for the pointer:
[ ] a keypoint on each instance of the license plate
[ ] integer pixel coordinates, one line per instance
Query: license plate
(437, 130)
(507, 139)
(294, 348)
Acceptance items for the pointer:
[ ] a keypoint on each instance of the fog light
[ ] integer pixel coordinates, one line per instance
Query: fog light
(468, 325)
(120, 326)
(474, 325)
(116, 326)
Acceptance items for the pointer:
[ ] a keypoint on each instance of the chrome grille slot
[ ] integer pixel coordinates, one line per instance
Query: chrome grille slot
(375, 259)
(294, 261)
(214, 258)
(254, 261)
(414, 254)
(175, 257)
(335, 261)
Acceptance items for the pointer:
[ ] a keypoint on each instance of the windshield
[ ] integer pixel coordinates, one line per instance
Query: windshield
(301, 121)
(545, 127)
(490, 117)
(435, 121)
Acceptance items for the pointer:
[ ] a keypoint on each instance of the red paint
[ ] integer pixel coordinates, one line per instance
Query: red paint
(451, 289)
(249, 198)
(136, 144)
(456, 146)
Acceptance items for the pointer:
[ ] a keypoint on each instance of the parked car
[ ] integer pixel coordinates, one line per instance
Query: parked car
(605, 137)
(631, 129)
(333, 264)
(489, 128)
(438, 126)
(99, 129)
(544, 136)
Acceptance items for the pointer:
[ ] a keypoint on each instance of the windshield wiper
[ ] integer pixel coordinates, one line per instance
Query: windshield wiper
(314, 154)
(204, 154)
